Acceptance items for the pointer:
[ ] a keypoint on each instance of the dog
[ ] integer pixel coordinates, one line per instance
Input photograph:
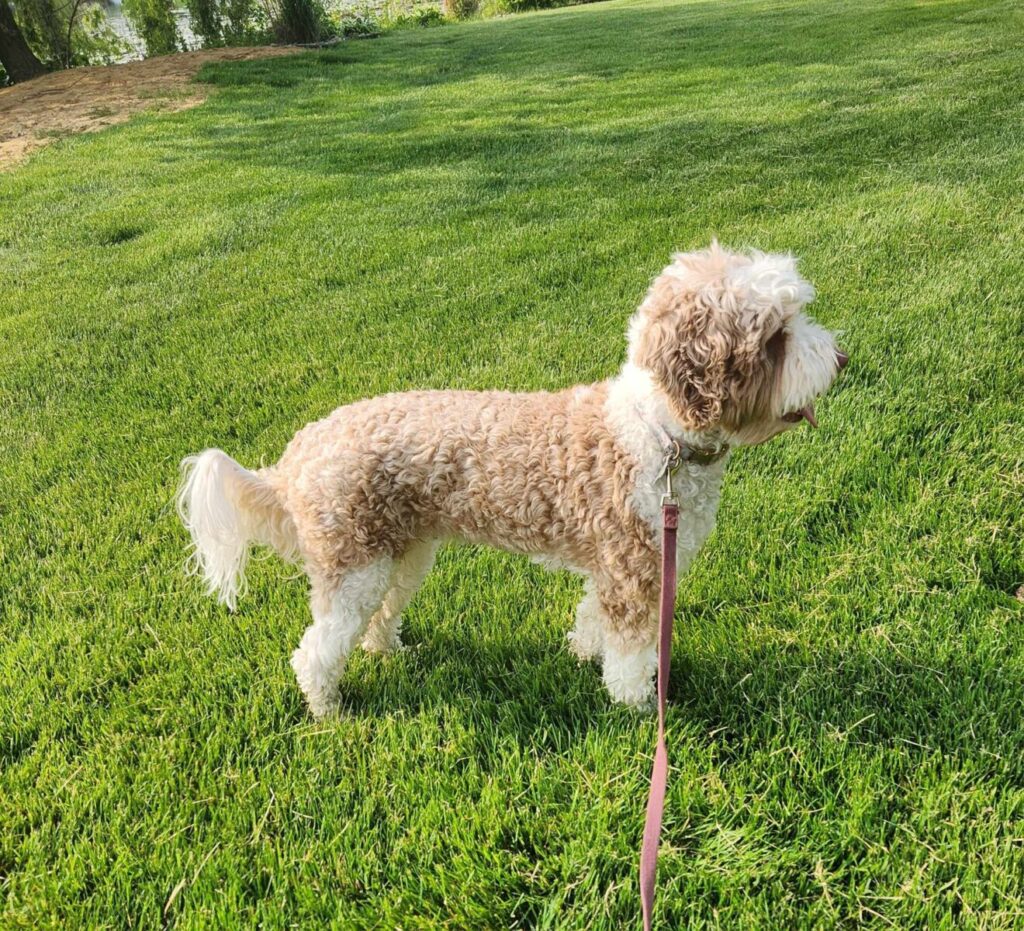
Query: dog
(721, 354)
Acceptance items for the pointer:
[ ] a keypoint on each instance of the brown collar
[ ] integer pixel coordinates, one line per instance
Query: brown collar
(702, 455)
(679, 451)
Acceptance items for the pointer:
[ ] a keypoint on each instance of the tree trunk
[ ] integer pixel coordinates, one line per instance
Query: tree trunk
(17, 58)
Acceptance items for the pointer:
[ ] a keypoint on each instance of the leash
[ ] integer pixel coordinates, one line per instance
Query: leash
(659, 771)
(676, 453)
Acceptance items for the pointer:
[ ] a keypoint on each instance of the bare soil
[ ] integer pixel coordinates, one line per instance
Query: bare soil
(84, 100)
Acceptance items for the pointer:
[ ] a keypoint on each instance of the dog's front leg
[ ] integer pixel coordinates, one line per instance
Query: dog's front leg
(586, 639)
(630, 641)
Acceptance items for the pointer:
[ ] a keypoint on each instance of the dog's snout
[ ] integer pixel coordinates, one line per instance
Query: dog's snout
(841, 359)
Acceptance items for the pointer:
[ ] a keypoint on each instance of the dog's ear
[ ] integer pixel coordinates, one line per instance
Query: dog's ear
(680, 338)
(775, 342)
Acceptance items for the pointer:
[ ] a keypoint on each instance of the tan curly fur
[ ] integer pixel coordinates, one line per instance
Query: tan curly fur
(720, 353)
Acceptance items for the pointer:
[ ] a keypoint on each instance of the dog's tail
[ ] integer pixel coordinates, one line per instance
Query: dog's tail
(226, 509)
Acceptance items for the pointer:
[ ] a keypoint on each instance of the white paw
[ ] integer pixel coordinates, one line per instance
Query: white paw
(374, 645)
(629, 677)
(384, 637)
(320, 688)
(639, 697)
(583, 647)
(325, 705)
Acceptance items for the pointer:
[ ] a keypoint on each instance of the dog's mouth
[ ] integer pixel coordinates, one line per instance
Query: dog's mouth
(805, 413)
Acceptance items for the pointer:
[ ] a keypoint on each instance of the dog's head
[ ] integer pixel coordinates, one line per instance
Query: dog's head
(725, 337)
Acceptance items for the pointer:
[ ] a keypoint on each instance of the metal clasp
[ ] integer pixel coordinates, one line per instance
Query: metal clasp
(672, 461)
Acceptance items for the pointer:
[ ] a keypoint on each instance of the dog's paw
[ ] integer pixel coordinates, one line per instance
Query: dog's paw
(646, 706)
(639, 698)
(317, 685)
(583, 648)
(629, 677)
(372, 645)
(325, 706)
(383, 636)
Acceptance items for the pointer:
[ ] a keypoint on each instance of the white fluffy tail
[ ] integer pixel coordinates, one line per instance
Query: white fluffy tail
(225, 509)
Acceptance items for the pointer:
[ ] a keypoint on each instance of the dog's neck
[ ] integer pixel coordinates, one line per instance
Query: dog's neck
(644, 423)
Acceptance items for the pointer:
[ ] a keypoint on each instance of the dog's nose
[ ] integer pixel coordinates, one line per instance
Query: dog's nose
(841, 359)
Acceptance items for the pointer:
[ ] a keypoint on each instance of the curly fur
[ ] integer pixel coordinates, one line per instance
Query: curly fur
(719, 351)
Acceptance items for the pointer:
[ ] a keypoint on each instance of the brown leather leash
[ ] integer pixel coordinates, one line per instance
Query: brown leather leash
(659, 771)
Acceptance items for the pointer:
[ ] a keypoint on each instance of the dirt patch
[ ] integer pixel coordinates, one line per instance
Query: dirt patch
(83, 100)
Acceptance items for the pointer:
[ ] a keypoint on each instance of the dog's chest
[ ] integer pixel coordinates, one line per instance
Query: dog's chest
(697, 489)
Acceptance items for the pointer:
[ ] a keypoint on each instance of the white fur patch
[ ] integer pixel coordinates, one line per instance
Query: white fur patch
(634, 403)
(629, 677)
(772, 281)
(810, 363)
(586, 639)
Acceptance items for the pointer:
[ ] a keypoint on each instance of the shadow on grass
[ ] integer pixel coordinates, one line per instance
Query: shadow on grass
(871, 694)
(536, 695)
(537, 688)
(526, 101)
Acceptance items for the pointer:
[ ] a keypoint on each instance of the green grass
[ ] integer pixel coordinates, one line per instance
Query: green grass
(479, 206)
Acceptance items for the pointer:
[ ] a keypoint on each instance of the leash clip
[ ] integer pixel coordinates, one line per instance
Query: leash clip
(673, 459)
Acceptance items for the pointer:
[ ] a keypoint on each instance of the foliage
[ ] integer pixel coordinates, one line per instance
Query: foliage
(64, 33)
(421, 15)
(521, 6)
(483, 206)
(301, 21)
(155, 23)
(462, 9)
(251, 22)
(44, 24)
(357, 22)
(369, 19)
(94, 42)
(230, 22)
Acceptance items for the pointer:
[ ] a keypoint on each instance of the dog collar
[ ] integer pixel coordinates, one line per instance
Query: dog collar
(677, 451)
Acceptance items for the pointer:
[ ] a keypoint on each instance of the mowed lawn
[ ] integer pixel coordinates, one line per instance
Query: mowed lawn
(482, 206)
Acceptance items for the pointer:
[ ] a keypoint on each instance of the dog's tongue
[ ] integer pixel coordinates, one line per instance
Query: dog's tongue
(808, 414)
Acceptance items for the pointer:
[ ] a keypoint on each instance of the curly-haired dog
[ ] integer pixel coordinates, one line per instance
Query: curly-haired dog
(721, 355)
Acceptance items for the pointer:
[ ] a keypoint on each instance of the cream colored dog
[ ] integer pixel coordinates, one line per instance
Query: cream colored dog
(721, 354)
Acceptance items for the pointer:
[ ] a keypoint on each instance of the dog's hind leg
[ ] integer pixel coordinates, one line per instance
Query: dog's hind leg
(586, 639)
(341, 611)
(384, 633)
